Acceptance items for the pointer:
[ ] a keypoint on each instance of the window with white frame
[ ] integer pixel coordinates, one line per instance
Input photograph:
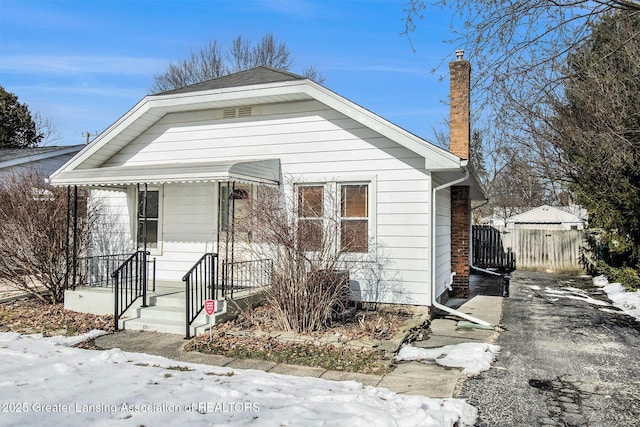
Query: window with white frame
(354, 217)
(149, 220)
(310, 216)
(351, 210)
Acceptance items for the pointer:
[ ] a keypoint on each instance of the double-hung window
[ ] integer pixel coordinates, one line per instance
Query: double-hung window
(354, 217)
(349, 212)
(148, 221)
(310, 216)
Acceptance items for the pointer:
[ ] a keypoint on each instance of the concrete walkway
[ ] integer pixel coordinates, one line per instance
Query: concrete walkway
(407, 377)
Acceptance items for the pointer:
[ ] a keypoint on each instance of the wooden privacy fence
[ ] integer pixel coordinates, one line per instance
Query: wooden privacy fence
(555, 250)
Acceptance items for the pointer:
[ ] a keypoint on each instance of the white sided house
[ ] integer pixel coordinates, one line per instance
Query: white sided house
(175, 170)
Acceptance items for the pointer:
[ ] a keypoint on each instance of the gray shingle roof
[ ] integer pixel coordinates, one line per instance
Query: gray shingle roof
(16, 153)
(253, 76)
(7, 154)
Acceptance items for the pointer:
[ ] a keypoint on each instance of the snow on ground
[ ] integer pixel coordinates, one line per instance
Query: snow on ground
(473, 357)
(575, 293)
(44, 381)
(628, 302)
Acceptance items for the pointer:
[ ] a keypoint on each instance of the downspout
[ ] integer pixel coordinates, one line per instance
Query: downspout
(435, 303)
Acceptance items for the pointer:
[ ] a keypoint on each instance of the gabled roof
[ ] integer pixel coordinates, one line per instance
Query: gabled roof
(10, 157)
(259, 75)
(544, 214)
(259, 85)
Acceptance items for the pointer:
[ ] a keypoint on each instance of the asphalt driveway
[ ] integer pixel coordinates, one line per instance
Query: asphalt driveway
(564, 361)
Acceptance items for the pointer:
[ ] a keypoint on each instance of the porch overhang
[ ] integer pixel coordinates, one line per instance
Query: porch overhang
(257, 171)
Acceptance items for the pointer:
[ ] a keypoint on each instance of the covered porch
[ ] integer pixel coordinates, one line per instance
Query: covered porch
(167, 239)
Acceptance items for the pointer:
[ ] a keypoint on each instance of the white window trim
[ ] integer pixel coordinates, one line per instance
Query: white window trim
(333, 185)
(159, 188)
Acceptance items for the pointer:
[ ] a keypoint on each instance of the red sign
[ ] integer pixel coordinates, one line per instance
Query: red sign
(210, 306)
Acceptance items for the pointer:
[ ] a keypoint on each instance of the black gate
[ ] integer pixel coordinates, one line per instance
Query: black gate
(489, 251)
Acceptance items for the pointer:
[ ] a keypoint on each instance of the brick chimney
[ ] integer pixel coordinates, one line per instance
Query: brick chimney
(460, 140)
(460, 106)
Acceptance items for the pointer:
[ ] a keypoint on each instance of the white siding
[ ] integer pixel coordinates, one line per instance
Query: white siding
(443, 239)
(188, 227)
(318, 145)
(112, 233)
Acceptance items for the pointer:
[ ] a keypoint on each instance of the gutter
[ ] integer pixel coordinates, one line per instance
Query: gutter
(435, 303)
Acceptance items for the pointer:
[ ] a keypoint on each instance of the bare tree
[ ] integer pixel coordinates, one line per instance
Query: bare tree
(33, 227)
(203, 65)
(210, 62)
(47, 129)
(519, 49)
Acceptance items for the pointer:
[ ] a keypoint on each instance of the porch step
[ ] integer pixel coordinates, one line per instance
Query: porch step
(157, 325)
(166, 313)
(160, 312)
(173, 300)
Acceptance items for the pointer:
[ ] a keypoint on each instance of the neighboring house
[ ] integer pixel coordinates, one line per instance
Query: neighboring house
(193, 148)
(546, 218)
(43, 160)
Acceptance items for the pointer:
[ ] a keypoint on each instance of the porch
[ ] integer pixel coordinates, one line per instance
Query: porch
(129, 290)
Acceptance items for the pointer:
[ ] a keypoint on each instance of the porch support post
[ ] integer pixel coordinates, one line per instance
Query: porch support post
(75, 234)
(66, 245)
(219, 225)
(144, 253)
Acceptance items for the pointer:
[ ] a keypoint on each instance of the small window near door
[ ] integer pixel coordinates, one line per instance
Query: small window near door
(354, 218)
(235, 200)
(310, 216)
(152, 206)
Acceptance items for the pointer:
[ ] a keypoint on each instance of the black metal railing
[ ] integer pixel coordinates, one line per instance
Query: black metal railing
(241, 275)
(129, 284)
(97, 271)
(201, 283)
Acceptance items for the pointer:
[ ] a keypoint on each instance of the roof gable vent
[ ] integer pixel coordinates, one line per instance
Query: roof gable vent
(231, 113)
(244, 112)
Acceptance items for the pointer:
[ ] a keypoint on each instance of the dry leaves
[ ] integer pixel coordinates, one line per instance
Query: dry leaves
(32, 316)
(361, 325)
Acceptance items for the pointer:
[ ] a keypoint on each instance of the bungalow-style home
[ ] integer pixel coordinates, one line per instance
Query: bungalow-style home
(172, 169)
(43, 160)
(546, 218)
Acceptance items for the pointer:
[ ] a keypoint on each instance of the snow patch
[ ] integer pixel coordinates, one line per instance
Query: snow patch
(472, 357)
(576, 294)
(77, 339)
(628, 302)
(76, 387)
(600, 281)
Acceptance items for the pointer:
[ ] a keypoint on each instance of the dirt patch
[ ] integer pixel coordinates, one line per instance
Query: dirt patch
(357, 325)
(351, 344)
(32, 316)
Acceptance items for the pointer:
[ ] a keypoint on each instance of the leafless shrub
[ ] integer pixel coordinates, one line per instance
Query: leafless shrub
(313, 256)
(33, 235)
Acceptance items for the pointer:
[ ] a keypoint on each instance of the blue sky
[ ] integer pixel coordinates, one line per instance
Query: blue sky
(83, 64)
